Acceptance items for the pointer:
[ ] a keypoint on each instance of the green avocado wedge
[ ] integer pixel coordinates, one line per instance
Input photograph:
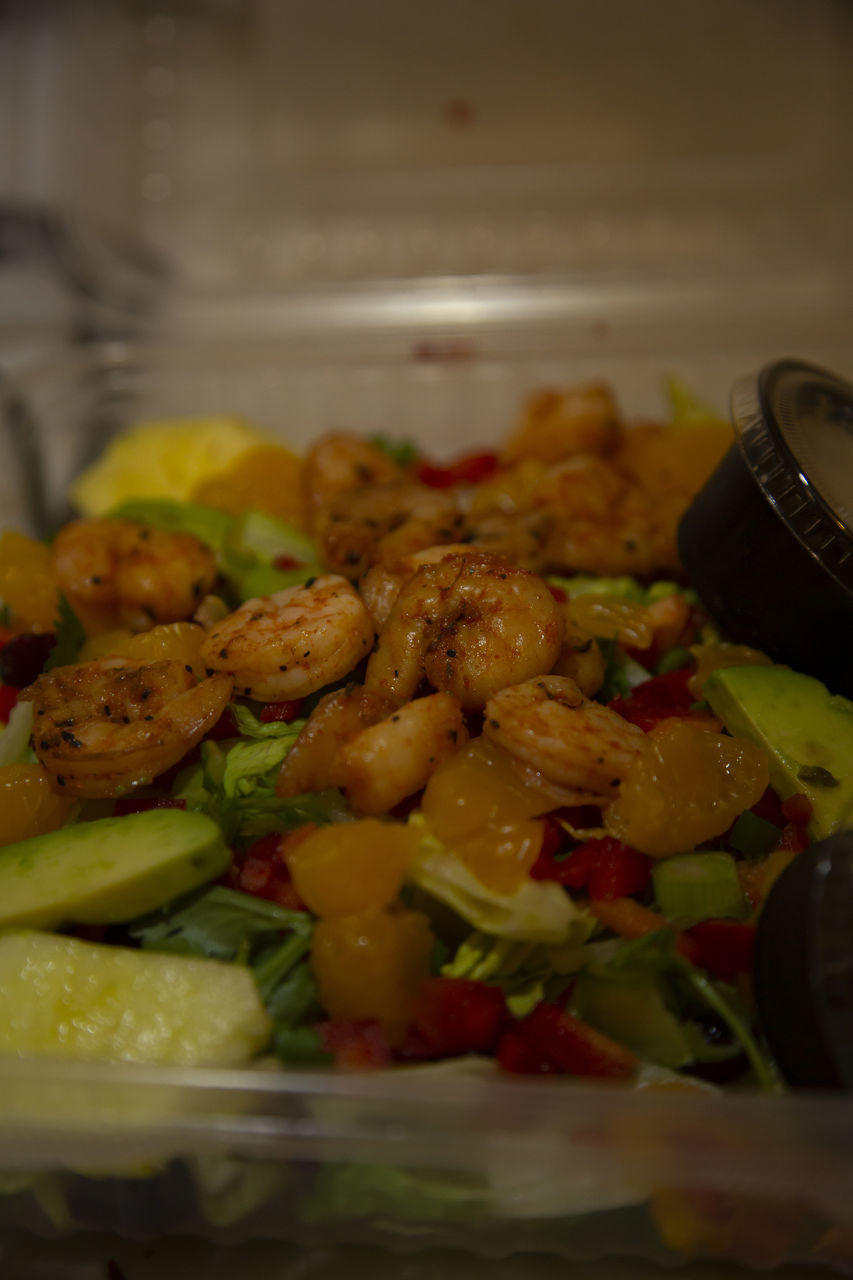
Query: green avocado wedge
(109, 870)
(806, 731)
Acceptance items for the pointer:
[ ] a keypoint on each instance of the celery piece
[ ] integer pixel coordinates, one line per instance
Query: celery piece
(699, 886)
(753, 836)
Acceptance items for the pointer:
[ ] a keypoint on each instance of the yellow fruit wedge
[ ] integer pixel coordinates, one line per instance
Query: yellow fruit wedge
(167, 459)
(88, 1002)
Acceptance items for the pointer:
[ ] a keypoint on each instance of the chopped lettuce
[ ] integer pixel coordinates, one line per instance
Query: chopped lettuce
(538, 911)
(229, 1188)
(224, 924)
(235, 785)
(251, 727)
(396, 1195)
(15, 735)
(689, 994)
(686, 409)
(70, 635)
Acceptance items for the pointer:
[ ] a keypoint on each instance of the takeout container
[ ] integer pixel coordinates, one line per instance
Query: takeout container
(397, 221)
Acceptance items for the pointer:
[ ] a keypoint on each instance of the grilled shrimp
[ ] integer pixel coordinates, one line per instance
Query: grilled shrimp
(290, 644)
(313, 762)
(552, 730)
(470, 624)
(125, 573)
(104, 727)
(357, 740)
(382, 583)
(337, 462)
(383, 522)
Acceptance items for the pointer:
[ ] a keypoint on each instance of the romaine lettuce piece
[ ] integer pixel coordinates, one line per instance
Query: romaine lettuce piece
(538, 911)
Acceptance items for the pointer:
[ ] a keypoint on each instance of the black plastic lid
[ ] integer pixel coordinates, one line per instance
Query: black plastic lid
(804, 966)
(768, 542)
(795, 428)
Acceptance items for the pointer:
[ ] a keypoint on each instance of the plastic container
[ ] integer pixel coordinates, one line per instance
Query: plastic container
(405, 220)
(405, 1159)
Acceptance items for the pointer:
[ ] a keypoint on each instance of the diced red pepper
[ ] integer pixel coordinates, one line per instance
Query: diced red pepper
(604, 866)
(287, 562)
(474, 468)
(558, 593)
(225, 727)
(571, 1046)
(794, 838)
(797, 809)
(724, 947)
(657, 699)
(470, 468)
(281, 712)
(630, 919)
(457, 1015)
(354, 1045)
(8, 699)
(262, 871)
(769, 807)
(142, 804)
(6, 634)
(434, 476)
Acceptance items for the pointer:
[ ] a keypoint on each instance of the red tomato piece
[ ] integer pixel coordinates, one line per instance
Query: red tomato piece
(457, 1015)
(354, 1045)
(281, 712)
(724, 947)
(515, 1055)
(8, 699)
(571, 1046)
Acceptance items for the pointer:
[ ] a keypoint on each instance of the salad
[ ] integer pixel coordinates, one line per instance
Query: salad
(366, 760)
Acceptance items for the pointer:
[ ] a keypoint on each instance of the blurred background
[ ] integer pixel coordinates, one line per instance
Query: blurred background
(532, 175)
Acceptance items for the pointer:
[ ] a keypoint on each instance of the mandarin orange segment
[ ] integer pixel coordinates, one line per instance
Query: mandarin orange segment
(28, 585)
(710, 657)
(350, 867)
(28, 805)
(370, 966)
(266, 478)
(480, 809)
(688, 788)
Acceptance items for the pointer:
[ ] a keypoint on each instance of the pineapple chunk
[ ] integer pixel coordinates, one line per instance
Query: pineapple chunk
(92, 1003)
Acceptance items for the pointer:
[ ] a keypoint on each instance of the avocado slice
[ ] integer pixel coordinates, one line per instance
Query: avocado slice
(109, 870)
(263, 536)
(207, 524)
(806, 731)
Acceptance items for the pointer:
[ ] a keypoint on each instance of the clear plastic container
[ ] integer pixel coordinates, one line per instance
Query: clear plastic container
(403, 220)
(409, 1158)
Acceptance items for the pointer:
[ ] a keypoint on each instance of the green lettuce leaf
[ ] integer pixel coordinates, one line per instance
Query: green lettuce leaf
(70, 637)
(538, 911)
(251, 727)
